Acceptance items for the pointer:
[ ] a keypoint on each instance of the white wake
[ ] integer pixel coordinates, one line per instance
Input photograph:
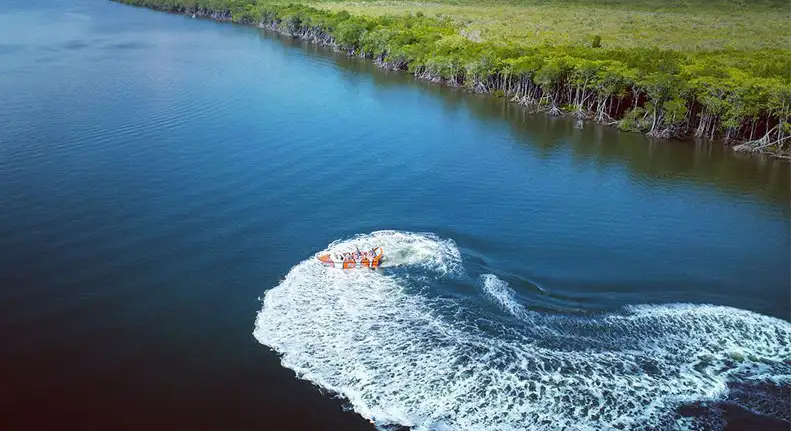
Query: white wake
(402, 357)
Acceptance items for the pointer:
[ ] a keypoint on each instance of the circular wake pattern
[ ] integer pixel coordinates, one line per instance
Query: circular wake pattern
(501, 294)
(401, 357)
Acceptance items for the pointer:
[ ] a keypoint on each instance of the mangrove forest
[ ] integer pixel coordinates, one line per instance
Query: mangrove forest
(737, 95)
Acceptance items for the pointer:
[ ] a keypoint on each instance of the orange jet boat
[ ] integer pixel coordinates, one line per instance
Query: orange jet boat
(350, 260)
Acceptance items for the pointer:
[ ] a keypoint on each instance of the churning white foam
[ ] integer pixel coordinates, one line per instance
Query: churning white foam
(426, 251)
(402, 357)
(501, 293)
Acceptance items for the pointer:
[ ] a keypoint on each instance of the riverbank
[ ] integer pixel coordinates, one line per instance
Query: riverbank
(739, 97)
(160, 174)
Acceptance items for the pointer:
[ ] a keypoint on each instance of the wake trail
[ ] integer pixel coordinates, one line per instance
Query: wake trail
(402, 357)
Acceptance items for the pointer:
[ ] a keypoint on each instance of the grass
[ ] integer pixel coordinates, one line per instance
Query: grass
(675, 25)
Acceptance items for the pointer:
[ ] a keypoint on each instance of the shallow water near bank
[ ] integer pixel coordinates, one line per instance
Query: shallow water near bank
(160, 174)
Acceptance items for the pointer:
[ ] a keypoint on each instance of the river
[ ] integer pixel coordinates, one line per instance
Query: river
(165, 183)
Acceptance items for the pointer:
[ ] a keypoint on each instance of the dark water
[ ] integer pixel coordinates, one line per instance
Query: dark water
(159, 174)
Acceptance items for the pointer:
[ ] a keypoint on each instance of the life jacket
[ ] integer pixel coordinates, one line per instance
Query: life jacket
(377, 259)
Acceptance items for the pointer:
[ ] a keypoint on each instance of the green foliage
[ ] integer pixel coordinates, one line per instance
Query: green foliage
(675, 109)
(348, 32)
(635, 121)
(730, 86)
(689, 25)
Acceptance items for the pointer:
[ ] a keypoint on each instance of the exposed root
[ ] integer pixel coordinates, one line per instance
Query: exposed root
(585, 103)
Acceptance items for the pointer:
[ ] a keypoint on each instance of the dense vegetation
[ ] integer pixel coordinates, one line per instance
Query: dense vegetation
(665, 24)
(737, 95)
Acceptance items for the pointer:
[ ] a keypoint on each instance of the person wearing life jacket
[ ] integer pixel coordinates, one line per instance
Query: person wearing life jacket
(364, 261)
(348, 261)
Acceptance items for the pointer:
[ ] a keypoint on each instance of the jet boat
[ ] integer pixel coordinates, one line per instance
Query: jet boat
(350, 260)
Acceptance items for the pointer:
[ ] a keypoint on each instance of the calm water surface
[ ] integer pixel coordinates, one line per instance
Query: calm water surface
(161, 176)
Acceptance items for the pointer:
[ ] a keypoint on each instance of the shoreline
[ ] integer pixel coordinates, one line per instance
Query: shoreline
(597, 111)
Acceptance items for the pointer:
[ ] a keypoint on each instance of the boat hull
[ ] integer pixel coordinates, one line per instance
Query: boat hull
(354, 260)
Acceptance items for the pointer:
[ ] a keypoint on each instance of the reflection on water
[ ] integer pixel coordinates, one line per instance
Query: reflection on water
(159, 174)
(699, 162)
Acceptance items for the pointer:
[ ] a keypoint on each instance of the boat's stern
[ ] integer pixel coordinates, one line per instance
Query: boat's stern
(378, 258)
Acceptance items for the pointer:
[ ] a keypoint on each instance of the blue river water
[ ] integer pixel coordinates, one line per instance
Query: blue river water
(166, 182)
